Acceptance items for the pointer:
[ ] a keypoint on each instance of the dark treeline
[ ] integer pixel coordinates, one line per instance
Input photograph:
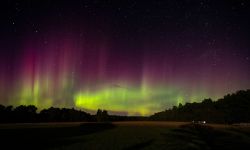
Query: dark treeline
(232, 108)
(102, 115)
(29, 113)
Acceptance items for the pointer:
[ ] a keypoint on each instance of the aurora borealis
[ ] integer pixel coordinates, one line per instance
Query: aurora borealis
(130, 57)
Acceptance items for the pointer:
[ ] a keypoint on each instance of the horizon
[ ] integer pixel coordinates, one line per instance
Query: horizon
(117, 113)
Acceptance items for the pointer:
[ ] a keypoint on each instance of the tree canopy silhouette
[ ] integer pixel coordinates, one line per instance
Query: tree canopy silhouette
(232, 108)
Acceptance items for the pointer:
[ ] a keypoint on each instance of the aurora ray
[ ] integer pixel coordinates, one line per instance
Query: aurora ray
(134, 60)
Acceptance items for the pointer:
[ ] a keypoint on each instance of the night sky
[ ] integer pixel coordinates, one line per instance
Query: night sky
(129, 57)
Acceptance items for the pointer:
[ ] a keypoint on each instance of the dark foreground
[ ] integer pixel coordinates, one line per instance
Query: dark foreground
(123, 135)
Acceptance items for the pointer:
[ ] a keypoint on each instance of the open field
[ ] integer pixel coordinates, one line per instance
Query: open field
(123, 135)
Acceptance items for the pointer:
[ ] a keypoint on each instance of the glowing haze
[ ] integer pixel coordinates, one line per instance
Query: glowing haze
(123, 63)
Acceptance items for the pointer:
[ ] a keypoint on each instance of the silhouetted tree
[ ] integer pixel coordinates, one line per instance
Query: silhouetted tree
(25, 113)
(56, 114)
(102, 115)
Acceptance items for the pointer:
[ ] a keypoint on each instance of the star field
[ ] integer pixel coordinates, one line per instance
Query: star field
(130, 57)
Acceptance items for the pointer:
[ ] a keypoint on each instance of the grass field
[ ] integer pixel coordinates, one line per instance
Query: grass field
(123, 135)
